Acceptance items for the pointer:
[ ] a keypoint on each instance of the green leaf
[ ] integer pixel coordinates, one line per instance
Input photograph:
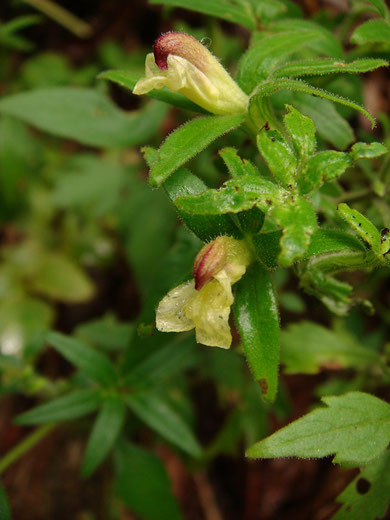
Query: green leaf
(230, 10)
(163, 363)
(298, 222)
(236, 195)
(107, 333)
(183, 183)
(158, 414)
(278, 155)
(367, 496)
(256, 313)
(306, 348)
(260, 59)
(326, 241)
(380, 6)
(367, 150)
(323, 167)
(142, 483)
(84, 115)
(60, 278)
(105, 431)
(327, 66)
(270, 87)
(5, 511)
(92, 363)
(10, 38)
(373, 31)
(187, 141)
(73, 405)
(237, 167)
(354, 427)
(302, 132)
(367, 231)
(330, 125)
(128, 79)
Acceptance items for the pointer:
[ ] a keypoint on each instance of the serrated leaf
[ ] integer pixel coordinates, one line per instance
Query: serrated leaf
(105, 431)
(187, 141)
(73, 405)
(270, 87)
(278, 155)
(260, 59)
(84, 115)
(323, 167)
(230, 10)
(302, 132)
(142, 483)
(354, 427)
(367, 231)
(92, 363)
(207, 227)
(256, 313)
(159, 415)
(306, 348)
(298, 222)
(128, 79)
(330, 125)
(373, 31)
(321, 66)
(367, 150)
(368, 495)
(234, 196)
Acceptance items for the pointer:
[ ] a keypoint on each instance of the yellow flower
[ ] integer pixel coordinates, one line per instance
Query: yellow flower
(204, 302)
(183, 64)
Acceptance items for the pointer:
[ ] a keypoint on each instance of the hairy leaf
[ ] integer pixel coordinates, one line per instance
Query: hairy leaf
(344, 428)
(326, 66)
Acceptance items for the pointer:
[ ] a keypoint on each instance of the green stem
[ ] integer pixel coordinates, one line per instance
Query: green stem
(63, 17)
(25, 445)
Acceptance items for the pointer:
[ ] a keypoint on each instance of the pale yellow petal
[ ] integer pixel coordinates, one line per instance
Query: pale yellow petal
(170, 314)
(209, 310)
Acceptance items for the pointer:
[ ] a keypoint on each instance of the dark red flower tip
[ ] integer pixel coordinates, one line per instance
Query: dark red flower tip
(179, 44)
(208, 262)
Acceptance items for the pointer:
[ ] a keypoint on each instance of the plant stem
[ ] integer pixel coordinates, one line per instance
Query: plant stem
(26, 444)
(63, 17)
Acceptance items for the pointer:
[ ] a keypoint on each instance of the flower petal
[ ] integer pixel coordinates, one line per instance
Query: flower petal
(209, 310)
(170, 314)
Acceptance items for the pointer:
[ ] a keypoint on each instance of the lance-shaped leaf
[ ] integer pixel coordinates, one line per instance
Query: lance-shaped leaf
(377, 31)
(142, 483)
(71, 406)
(257, 63)
(302, 132)
(298, 222)
(256, 313)
(344, 428)
(85, 115)
(91, 362)
(380, 6)
(128, 79)
(5, 511)
(157, 413)
(367, 231)
(327, 66)
(323, 167)
(270, 87)
(233, 11)
(237, 167)
(187, 141)
(367, 496)
(279, 156)
(236, 195)
(105, 431)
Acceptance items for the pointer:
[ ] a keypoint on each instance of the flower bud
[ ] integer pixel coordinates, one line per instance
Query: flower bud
(209, 261)
(183, 64)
